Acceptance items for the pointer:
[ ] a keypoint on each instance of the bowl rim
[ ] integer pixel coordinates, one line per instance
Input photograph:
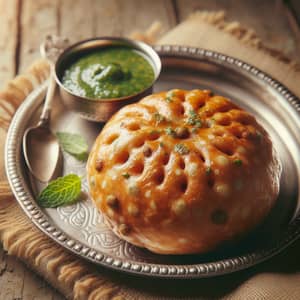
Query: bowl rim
(138, 45)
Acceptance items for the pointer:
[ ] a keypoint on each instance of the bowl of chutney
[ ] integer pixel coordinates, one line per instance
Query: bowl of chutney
(97, 77)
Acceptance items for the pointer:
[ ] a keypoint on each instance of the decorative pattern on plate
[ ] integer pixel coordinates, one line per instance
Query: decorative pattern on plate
(84, 218)
(114, 253)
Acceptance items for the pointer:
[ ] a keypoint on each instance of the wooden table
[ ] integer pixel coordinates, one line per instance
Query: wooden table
(24, 24)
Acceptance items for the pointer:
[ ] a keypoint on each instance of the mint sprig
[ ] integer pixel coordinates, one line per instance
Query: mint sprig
(62, 191)
(74, 144)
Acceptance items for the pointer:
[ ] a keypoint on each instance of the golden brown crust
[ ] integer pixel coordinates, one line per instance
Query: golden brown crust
(183, 171)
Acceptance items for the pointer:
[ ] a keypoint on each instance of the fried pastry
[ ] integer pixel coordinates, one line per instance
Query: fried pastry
(183, 171)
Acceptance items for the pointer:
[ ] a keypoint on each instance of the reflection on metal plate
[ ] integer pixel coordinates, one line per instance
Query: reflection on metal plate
(80, 228)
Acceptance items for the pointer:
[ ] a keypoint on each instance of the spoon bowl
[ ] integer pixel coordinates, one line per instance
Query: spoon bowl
(40, 146)
(42, 153)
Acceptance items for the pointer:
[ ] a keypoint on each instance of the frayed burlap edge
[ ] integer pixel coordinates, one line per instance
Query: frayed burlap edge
(16, 90)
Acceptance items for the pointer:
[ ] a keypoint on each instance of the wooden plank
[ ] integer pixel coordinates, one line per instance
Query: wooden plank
(120, 18)
(8, 39)
(105, 17)
(267, 18)
(38, 18)
(18, 282)
(36, 288)
(76, 25)
(11, 279)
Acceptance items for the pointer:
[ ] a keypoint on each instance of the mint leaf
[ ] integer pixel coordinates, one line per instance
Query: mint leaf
(62, 191)
(74, 144)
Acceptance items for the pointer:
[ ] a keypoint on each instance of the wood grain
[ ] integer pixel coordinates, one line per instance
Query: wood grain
(38, 18)
(73, 20)
(18, 282)
(120, 18)
(266, 17)
(8, 38)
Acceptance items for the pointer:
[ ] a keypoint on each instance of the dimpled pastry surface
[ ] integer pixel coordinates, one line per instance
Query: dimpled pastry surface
(183, 171)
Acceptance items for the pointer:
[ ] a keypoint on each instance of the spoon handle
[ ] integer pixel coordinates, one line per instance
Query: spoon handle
(46, 112)
(50, 49)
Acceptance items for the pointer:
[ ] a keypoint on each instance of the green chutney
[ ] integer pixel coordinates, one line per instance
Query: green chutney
(111, 72)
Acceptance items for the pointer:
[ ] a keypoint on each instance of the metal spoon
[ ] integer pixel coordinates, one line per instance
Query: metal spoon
(40, 146)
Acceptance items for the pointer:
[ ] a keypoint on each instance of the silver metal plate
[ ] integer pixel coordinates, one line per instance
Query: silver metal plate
(79, 227)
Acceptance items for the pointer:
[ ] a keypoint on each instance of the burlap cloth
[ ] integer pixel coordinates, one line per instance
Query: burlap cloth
(279, 278)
